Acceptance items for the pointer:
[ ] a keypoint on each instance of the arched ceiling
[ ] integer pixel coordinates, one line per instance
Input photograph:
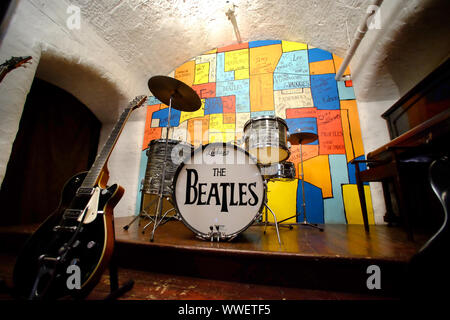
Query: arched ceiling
(153, 37)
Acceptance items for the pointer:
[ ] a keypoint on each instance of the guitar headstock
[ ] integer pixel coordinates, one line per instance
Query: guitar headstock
(137, 102)
(15, 62)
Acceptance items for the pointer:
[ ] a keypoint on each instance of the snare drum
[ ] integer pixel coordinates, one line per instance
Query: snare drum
(283, 171)
(266, 139)
(176, 152)
(218, 191)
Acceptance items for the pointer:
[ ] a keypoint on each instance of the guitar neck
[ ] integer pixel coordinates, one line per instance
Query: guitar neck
(3, 71)
(94, 174)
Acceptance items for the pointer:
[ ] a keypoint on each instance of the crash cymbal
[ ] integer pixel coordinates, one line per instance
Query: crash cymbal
(302, 138)
(184, 98)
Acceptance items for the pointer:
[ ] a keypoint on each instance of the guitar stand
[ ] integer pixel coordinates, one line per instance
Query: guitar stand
(116, 291)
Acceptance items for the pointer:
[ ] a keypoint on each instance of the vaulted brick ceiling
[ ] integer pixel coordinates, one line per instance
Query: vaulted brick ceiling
(153, 37)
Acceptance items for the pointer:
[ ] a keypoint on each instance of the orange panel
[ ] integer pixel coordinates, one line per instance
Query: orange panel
(317, 172)
(150, 133)
(198, 131)
(186, 72)
(261, 92)
(321, 67)
(349, 112)
(264, 59)
(337, 65)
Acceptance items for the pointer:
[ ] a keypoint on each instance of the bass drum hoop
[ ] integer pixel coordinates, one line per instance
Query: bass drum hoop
(175, 179)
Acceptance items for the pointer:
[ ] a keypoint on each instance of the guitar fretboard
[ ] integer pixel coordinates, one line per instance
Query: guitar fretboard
(93, 175)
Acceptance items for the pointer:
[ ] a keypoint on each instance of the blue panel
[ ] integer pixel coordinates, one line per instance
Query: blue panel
(238, 88)
(294, 62)
(352, 172)
(345, 93)
(334, 207)
(313, 203)
(283, 81)
(163, 114)
(324, 91)
(152, 101)
(221, 75)
(317, 54)
(304, 124)
(142, 168)
(260, 43)
(213, 105)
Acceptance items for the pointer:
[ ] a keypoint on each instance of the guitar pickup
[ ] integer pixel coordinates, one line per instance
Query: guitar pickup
(72, 213)
(63, 228)
(85, 191)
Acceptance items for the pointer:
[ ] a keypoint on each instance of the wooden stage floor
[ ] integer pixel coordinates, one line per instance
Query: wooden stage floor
(308, 264)
(336, 241)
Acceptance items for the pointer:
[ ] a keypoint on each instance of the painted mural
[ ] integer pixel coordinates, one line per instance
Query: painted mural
(290, 80)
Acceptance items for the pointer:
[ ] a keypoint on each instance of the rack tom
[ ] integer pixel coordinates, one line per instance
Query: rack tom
(266, 139)
(283, 171)
(176, 152)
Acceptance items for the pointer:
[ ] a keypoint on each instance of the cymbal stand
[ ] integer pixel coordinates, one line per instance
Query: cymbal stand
(159, 208)
(304, 222)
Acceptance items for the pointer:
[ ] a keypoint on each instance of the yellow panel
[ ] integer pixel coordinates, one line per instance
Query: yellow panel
(195, 114)
(216, 137)
(337, 64)
(349, 111)
(321, 67)
(353, 206)
(292, 46)
(282, 196)
(236, 60)
(216, 122)
(185, 73)
(241, 74)
(261, 92)
(264, 59)
(201, 73)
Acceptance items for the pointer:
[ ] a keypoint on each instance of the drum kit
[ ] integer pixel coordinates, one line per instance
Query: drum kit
(217, 190)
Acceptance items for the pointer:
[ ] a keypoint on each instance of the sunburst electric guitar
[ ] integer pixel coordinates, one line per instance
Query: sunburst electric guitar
(68, 253)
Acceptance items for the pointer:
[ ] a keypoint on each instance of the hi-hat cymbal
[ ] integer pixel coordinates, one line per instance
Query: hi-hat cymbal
(302, 138)
(184, 98)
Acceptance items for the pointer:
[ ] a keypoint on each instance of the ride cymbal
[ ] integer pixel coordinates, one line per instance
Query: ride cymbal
(184, 98)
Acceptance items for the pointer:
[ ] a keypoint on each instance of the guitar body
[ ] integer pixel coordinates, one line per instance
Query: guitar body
(43, 269)
(68, 253)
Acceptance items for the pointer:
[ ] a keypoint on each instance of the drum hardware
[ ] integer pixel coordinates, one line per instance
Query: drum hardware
(266, 206)
(180, 96)
(216, 234)
(141, 214)
(301, 138)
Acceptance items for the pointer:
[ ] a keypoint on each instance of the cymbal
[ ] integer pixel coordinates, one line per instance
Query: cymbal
(302, 138)
(184, 98)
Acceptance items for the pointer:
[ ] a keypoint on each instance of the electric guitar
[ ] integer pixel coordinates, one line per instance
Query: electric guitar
(67, 254)
(11, 64)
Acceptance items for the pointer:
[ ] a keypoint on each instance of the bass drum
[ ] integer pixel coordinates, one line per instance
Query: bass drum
(218, 191)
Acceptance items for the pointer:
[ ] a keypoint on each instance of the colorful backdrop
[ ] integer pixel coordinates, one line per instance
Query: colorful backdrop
(290, 80)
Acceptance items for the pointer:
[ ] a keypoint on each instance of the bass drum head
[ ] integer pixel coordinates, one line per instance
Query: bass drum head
(219, 189)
